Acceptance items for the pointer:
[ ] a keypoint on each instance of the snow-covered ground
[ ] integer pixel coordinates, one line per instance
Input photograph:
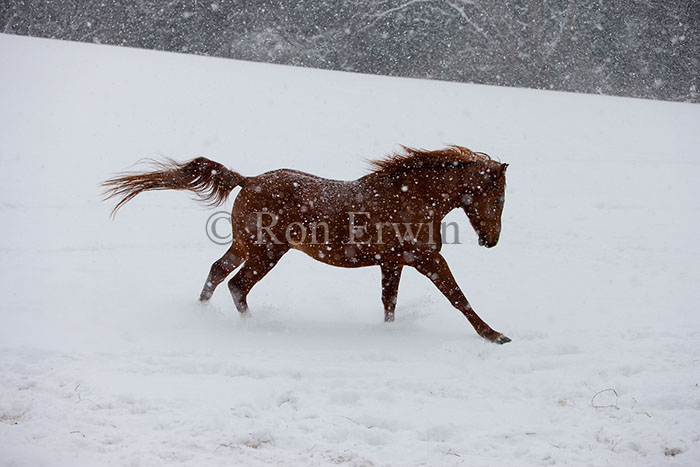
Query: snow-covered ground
(106, 356)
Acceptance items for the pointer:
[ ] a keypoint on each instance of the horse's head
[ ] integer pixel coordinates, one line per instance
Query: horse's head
(483, 202)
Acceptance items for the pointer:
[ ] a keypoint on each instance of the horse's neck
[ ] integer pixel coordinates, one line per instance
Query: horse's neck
(438, 189)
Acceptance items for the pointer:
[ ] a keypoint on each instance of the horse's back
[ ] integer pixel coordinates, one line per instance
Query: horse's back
(297, 178)
(292, 188)
(292, 195)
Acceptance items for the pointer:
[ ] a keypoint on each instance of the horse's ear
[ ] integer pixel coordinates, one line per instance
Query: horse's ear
(503, 168)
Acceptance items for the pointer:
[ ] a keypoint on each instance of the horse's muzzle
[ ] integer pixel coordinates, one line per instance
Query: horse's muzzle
(488, 243)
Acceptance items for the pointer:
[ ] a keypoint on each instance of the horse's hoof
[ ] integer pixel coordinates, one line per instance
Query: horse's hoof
(204, 297)
(502, 339)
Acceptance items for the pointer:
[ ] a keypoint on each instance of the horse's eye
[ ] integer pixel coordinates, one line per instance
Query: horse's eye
(499, 202)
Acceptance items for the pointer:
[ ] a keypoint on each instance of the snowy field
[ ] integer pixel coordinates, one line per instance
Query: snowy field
(107, 358)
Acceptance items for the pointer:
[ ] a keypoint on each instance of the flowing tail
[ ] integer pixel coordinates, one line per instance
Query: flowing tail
(209, 180)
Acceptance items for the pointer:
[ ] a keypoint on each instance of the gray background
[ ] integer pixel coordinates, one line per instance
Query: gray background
(636, 48)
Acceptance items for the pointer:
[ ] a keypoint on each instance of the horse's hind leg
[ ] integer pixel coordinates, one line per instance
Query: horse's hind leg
(390, 289)
(258, 263)
(221, 269)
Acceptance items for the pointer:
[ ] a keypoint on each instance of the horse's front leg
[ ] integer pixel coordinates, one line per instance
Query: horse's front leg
(391, 274)
(435, 268)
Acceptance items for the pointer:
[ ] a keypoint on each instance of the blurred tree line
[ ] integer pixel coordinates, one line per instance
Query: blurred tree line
(639, 48)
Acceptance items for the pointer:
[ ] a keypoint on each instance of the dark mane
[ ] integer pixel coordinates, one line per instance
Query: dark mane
(411, 158)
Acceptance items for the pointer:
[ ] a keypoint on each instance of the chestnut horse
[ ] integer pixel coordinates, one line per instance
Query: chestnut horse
(390, 217)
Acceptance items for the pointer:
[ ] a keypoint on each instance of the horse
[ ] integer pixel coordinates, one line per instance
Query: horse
(390, 217)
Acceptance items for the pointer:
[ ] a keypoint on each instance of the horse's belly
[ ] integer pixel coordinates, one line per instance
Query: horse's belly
(341, 255)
